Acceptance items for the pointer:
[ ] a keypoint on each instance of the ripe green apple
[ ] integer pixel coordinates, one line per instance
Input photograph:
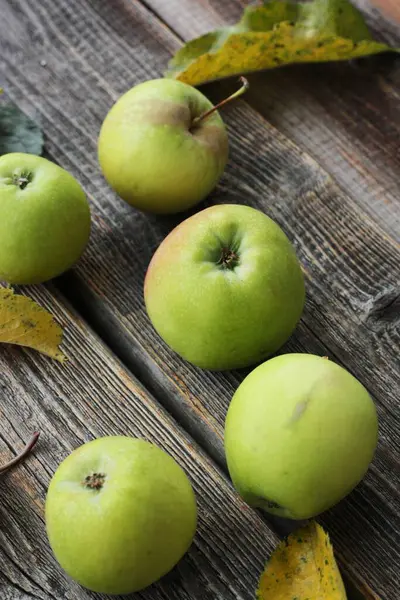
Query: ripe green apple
(225, 288)
(151, 152)
(44, 219)
(120, 513)
(299, 435)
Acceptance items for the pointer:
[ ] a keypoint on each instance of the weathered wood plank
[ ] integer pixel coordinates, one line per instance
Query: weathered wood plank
(346, 115)
(93, 395)
(93, 53)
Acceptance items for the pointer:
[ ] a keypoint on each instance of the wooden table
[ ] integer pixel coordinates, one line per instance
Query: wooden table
(316, 148)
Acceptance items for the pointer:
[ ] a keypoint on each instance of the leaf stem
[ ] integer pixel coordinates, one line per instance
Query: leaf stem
(22, 454)
(240, 91)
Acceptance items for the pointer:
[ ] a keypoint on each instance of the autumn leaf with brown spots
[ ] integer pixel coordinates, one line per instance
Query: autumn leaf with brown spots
(25, 323)
(275, 34)
(303, 567)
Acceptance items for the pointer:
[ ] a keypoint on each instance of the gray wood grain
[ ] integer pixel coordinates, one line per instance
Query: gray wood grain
(346, 115)
(93, 395)
(94, 52)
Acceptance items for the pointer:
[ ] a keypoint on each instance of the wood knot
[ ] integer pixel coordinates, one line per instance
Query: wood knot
(383, 309)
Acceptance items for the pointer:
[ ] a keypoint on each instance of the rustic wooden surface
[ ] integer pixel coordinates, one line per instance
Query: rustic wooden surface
(89, 396)
(346, 232)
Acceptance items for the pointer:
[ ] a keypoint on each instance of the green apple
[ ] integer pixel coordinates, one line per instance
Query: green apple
(44, 219)
(154, 155)
(225, 288)
(120, 513)
(300, 433)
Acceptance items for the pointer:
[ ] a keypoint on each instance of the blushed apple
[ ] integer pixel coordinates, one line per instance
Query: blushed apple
(225, 289)
(44, 219)
(120, 513)
(300, 434)
(154, 153)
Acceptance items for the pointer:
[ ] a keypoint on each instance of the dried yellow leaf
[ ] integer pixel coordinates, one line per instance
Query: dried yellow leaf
(303, 567)
(25, 323)
(275, 34)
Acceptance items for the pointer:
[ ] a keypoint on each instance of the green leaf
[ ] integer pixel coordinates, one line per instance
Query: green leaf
(18, 133)
(275, 34)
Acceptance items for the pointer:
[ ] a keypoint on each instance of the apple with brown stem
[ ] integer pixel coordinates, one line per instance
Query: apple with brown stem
(163, 146)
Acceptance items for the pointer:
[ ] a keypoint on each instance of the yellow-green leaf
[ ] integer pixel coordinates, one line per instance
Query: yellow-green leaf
(274, 34)
(303, 567)
(25, 323)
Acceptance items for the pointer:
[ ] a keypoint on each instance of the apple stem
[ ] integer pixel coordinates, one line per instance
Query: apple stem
(29, 446)
(240, 92)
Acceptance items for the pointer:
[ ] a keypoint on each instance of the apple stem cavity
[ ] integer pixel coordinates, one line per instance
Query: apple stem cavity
(240, 92)
(29, 446)
(95, 481)
(228, 259)
(22, 180)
